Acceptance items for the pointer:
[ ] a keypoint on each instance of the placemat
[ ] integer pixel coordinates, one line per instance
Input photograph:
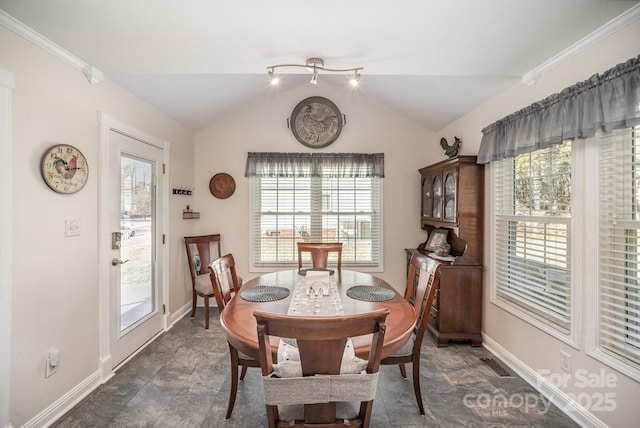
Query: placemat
(264, 293)
(369, 293)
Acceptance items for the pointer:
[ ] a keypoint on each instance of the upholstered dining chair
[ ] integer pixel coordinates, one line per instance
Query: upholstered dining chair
(423, 278)
(201, 251)
(320, 253)
(226, 285)
(326, 387)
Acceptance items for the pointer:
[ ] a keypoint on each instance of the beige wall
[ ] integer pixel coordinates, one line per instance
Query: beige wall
(55, 281)
(533, 348)
(223, 147)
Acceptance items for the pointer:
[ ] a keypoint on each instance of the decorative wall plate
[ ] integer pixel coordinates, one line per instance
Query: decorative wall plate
(222, 185)
(316, 122)
(64, 168)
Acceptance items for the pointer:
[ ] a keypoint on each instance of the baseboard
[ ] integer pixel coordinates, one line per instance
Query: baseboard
(551, 392)
(179, 314)
(65, 403)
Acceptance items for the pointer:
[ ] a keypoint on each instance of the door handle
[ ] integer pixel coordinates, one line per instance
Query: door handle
(116, 262)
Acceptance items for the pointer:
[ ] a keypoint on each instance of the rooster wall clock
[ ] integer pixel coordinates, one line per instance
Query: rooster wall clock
(316, 122)
(64, 168)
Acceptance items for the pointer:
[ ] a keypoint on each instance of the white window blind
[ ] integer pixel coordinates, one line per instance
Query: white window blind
(619, 245)
(532, 234)
(319, 207)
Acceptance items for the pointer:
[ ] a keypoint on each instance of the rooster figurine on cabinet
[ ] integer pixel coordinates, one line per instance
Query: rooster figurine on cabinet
(450, 150)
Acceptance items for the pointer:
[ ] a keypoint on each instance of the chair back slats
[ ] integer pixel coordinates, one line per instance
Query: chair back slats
(319, 252)
(201, 246)
(224, 279)
(426, 279)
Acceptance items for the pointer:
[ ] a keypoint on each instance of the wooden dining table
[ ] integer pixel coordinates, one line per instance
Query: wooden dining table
(240, 325)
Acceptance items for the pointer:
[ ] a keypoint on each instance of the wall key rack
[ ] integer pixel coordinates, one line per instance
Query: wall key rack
(183, 191)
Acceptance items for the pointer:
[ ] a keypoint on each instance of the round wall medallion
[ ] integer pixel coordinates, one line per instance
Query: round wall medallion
(64, 168)
(316, 122)
(222, 185)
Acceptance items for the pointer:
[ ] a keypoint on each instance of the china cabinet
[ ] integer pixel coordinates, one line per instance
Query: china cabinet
(453, 199)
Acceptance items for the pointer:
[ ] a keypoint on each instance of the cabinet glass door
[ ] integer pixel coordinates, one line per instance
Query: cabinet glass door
(437, 197)
(450, 196)
(426, 197)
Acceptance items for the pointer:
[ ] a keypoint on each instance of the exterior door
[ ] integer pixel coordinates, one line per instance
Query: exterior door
(136, 308)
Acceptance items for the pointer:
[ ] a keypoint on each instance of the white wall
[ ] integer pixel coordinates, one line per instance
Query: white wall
(371, 128)
(55, 282)
(532, 348)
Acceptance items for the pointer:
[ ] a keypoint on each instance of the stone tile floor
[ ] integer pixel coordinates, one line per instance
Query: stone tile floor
(182, 380)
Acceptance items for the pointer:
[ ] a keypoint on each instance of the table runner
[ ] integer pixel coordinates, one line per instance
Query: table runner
(315, 293)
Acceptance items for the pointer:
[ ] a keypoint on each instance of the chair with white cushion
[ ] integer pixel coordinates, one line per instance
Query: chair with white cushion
(423, 278)
(226, 285)
(201, 251)
(324, 388)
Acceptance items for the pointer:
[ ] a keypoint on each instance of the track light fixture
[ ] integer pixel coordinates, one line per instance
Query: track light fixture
(315, 65)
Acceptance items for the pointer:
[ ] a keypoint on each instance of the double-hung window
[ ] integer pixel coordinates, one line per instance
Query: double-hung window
(618, 299)
(532, 204)
(317, 197)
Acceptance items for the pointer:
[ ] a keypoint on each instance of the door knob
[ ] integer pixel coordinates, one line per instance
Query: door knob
(116, 262)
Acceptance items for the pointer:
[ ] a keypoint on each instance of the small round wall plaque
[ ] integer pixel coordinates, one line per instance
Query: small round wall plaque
(222, 185)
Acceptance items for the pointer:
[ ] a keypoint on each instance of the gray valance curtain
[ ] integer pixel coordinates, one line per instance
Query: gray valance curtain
(334, 165)
(606, 101)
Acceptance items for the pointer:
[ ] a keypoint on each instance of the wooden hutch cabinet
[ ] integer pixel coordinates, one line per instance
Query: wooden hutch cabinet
(453, 199)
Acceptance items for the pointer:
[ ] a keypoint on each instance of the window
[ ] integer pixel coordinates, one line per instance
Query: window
(618, 328)
(315, 197)
(532, 235)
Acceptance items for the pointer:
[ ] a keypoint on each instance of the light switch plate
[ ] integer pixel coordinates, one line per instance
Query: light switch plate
(72, 228)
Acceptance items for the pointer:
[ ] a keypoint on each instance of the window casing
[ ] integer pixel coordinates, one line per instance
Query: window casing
(532, 235)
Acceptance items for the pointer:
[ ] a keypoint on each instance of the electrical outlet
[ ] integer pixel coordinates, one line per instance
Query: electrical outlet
(565, 362)
(53, 360)
(49, 369)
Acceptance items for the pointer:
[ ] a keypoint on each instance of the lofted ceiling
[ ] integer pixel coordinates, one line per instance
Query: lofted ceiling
(433, 61)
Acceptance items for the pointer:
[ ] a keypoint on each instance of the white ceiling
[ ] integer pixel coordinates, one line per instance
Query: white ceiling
(199, 60)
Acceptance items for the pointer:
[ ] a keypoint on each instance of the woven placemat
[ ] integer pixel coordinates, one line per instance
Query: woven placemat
(264, 293)
(370, 293)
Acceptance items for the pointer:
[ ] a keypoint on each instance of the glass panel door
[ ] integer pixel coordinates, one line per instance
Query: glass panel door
(136, 226)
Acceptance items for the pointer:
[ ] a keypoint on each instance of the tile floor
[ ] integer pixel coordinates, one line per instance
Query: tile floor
(182, 380)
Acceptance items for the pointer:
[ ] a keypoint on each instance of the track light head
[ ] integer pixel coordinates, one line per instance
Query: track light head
(355, 80)
(273, 79)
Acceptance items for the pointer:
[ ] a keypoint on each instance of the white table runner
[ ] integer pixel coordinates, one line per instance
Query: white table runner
(315, 293)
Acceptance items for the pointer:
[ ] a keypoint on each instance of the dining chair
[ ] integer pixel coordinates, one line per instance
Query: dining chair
(320, 253)
(324, 388)
(422, 283)
(201, 251)
(226, 285)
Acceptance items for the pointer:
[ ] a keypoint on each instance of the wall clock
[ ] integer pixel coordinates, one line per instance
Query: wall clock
(316, 122)
(64, 168)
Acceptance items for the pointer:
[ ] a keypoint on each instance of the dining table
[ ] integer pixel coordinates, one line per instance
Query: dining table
(374, 293)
